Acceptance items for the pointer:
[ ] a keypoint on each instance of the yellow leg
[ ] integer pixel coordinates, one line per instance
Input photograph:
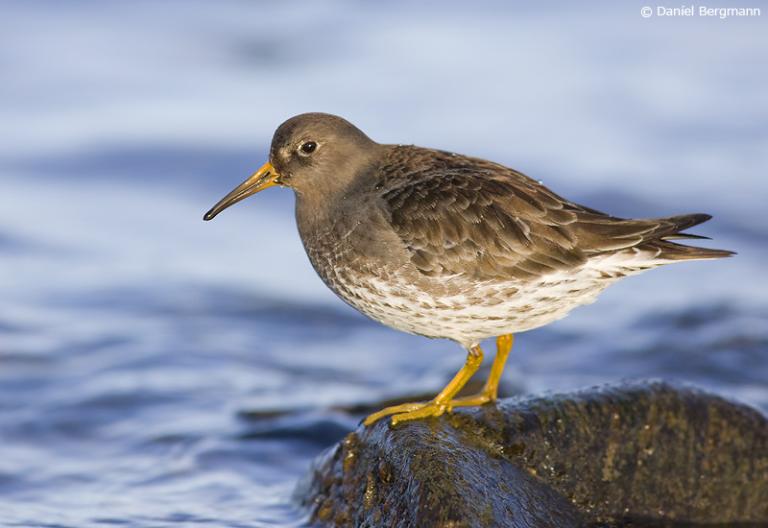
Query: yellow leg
(491, 389)
(440, 403)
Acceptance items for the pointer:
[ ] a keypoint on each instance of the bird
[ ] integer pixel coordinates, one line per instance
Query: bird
(450, 246)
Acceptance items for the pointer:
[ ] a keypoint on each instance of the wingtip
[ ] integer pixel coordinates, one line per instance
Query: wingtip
(685, 236)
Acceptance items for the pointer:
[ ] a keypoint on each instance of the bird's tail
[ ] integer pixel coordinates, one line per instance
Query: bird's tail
(670, 229)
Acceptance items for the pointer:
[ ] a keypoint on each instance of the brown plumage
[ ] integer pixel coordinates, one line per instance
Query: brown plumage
(445, 245)
(457, 214)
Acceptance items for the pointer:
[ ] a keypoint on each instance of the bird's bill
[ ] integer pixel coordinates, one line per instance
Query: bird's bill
(262, 179)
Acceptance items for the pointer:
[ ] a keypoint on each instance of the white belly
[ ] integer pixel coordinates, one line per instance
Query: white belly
(483, 309)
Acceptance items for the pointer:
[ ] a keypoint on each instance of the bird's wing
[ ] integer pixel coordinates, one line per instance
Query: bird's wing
(461, 215)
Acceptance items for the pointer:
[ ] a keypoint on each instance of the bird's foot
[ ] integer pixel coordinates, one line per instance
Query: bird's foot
(416, 411)
(444, 402)
(410, 411)
(402, 409)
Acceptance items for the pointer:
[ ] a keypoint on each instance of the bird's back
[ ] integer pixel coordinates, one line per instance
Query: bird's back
(457, 214)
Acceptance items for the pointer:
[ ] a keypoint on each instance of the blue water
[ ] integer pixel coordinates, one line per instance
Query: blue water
(157, 370)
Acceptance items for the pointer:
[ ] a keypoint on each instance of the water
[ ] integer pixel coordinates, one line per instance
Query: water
(157, 370)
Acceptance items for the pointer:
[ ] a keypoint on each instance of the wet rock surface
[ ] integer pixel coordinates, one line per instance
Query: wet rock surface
(641, 454)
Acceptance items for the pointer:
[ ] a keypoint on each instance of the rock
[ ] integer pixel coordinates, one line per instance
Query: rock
(630, 455)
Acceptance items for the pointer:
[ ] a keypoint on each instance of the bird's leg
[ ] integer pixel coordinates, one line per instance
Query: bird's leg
(440, 403)
(491, 389)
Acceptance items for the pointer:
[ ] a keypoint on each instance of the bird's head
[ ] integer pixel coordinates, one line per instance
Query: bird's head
(314, 154)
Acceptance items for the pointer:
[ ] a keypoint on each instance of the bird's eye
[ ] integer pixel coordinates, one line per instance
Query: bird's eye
(307, 148)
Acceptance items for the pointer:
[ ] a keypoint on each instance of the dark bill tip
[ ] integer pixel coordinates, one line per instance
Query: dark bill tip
(262, 179)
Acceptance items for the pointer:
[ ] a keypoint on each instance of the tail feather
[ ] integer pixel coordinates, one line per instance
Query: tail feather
(672, 251)
(683, 222)
(670, 229)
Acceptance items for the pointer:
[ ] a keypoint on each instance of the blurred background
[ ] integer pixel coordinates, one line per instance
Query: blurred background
(158, 370)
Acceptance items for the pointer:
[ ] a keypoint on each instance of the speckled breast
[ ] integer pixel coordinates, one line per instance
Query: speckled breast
(389, 290)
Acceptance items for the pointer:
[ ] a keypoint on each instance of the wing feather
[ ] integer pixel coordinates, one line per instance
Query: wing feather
(462, 215)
